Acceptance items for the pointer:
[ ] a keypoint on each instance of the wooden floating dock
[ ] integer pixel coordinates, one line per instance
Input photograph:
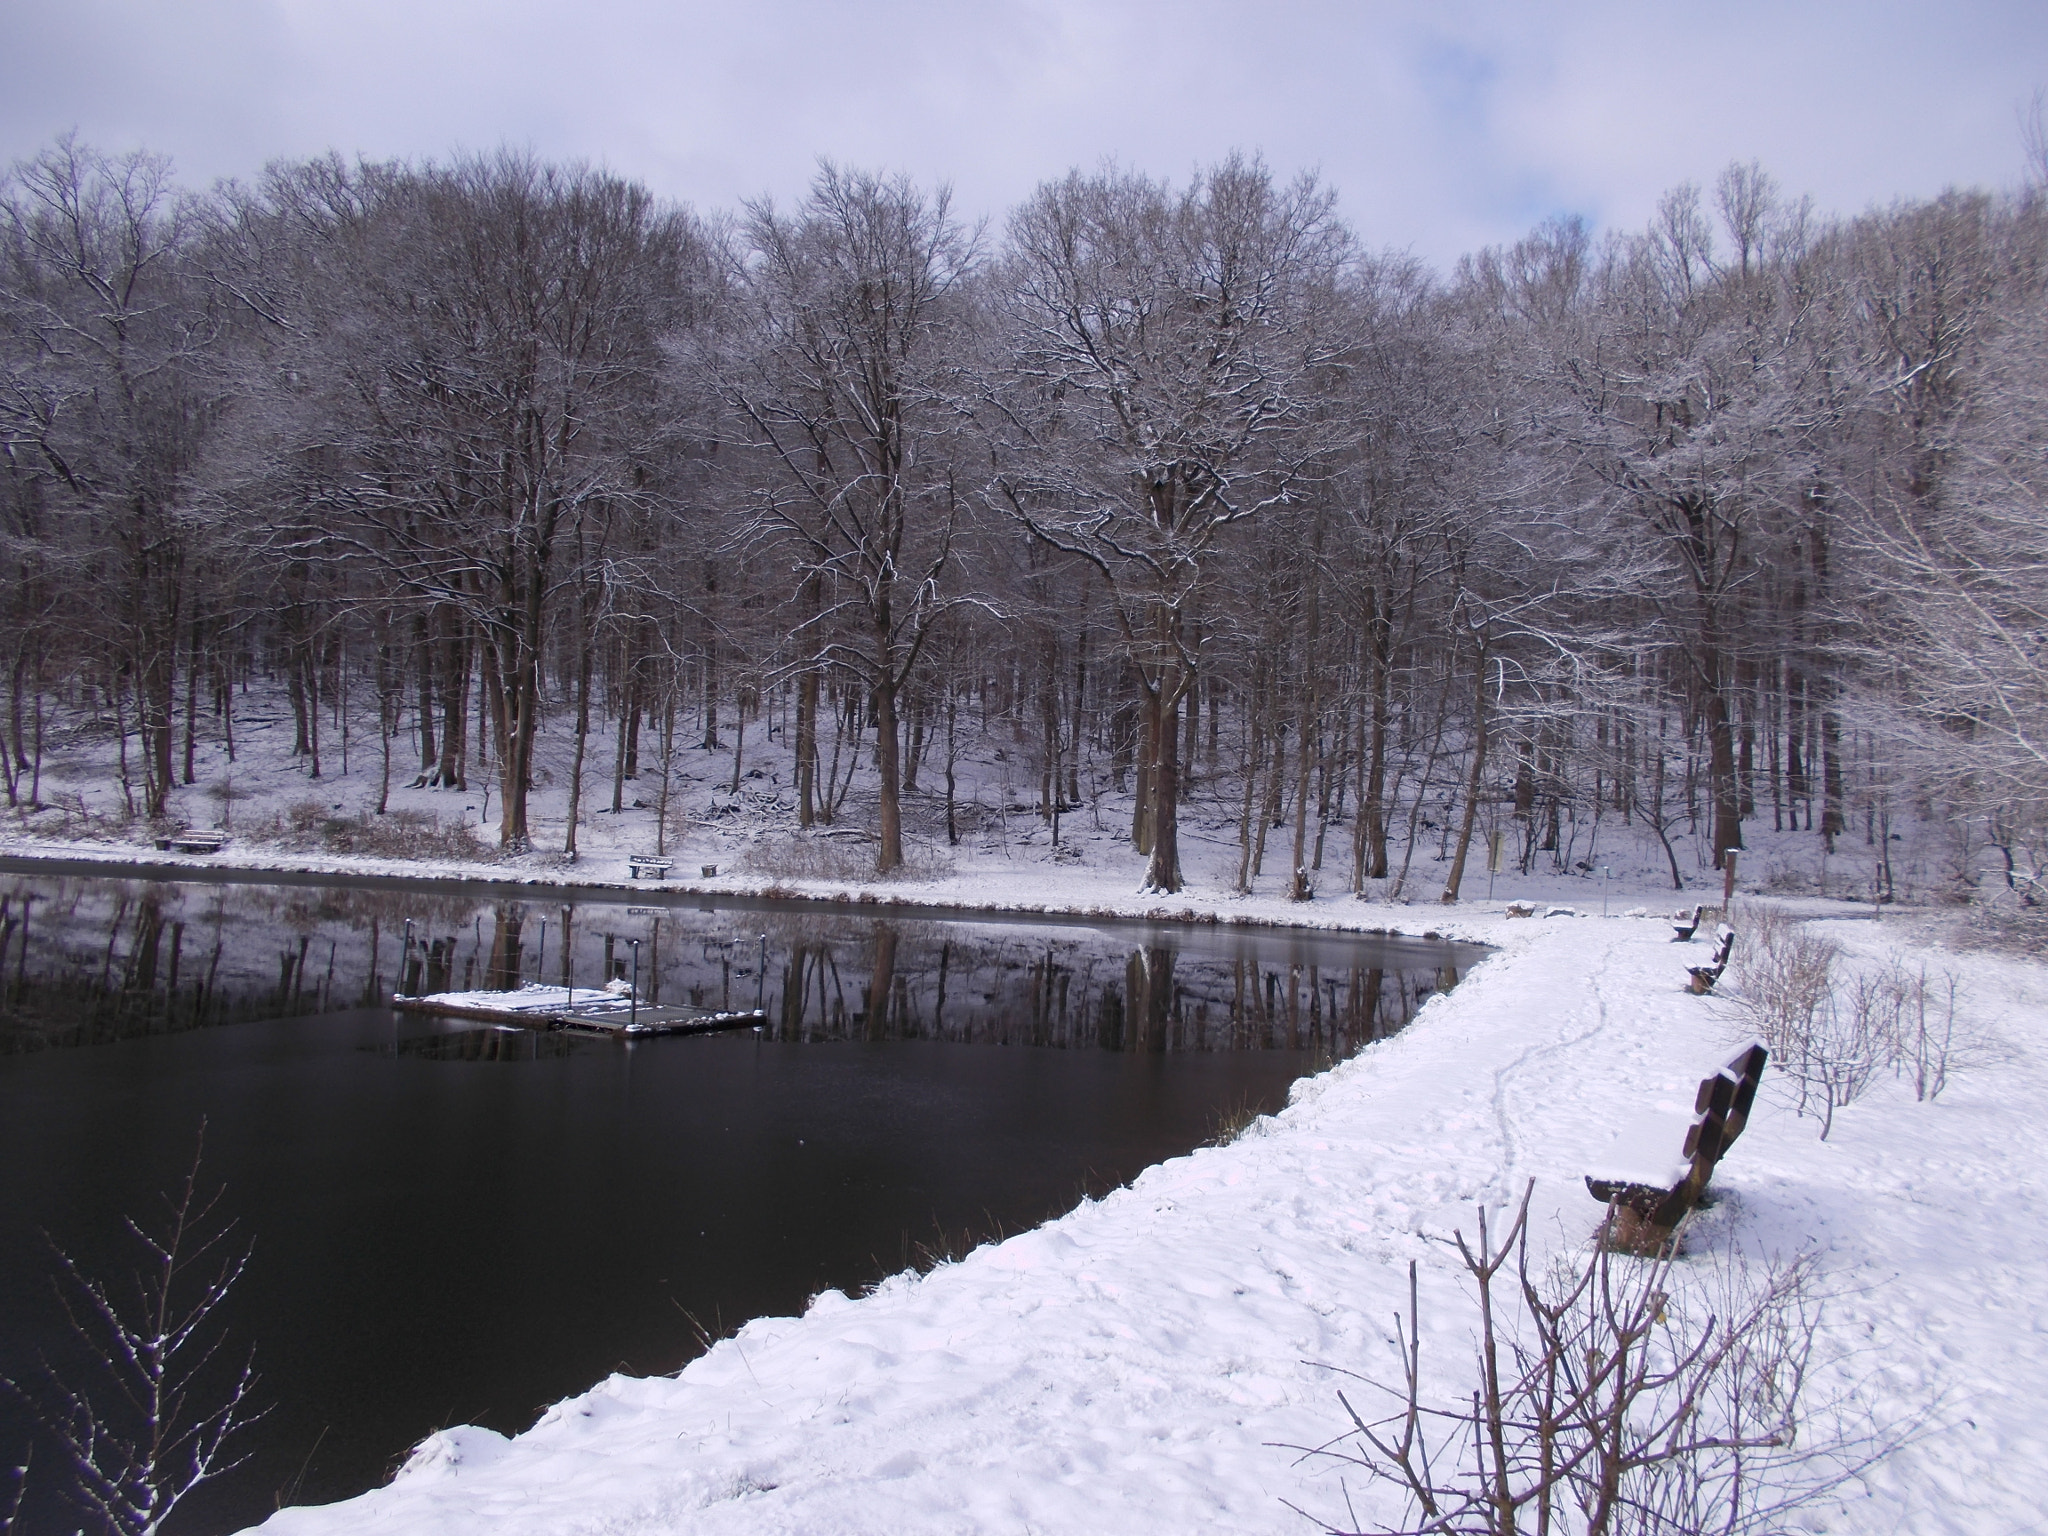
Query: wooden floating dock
(608, 1018)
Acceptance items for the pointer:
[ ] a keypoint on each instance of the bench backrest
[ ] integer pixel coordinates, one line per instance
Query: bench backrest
(1721, 1109)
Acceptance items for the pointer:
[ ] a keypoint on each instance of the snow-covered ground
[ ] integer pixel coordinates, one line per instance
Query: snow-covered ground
(277, 816)
(1145, 1362)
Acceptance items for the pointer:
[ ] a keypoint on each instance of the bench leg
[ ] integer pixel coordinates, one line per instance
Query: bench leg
(1632, 1231)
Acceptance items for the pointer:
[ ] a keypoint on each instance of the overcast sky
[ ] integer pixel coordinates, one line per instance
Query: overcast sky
(1444, 127)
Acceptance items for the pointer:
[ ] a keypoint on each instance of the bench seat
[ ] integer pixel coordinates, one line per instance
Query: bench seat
(1657, 1168)
(192, 842)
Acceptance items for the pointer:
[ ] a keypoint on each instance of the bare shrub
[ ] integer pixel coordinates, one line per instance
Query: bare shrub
(1786, 986)
(1785, 981)
(1611, 1394)
(163, 1407)
(1786, 975)
(19, 1474)
(838, 856)
(225, 792)
(1234, 1121)
(303, 816)
(65, 814)
(412, 835)
(1929, 1038)
(312, 827)
(2010, 913)
(1847, 1046)
(1831, 1037)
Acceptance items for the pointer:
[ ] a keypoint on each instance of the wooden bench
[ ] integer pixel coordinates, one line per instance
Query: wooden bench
(647, 866)
(1704, 976)
(192, 842)
(1685, 928)
(1646, 1185)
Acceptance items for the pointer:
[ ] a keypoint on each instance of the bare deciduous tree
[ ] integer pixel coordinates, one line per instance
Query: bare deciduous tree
(163, 1405)
(113, 355)
(487, 372)
(1172, 354)
(842, 381)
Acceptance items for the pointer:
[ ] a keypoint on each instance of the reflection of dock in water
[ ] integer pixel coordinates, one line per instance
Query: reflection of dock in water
(585, 1010)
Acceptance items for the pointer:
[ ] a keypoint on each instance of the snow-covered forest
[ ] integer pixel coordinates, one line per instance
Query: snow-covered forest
(1183, 493)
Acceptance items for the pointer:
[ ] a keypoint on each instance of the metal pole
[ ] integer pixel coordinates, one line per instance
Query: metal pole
(633, 999)
(1604, 873)
(540, 959)
(761, 981)
(405, 961)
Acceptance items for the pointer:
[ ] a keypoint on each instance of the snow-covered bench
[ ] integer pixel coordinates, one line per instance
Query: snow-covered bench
(1704, 976)
(1658, 1167)
(648, 866)
(192, 842)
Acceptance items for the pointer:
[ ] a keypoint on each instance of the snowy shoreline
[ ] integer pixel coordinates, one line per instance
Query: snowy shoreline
(1144, 1362)
(953, 896)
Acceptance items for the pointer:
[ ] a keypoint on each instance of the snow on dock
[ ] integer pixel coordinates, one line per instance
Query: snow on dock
(594, 1010)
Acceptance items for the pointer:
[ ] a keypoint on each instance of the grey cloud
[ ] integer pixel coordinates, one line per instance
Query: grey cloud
(1443, 126)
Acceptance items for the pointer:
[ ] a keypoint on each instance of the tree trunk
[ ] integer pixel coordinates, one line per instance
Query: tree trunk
(1723, 789)
(668, 747)
(952, 757)
(586, 655)
(1472, 784)
(1299, 886)
(739, 734)
(889, 814)
(423, 648)
(1162, 870)
(711, 741)
(191, 704)
(1143, 807)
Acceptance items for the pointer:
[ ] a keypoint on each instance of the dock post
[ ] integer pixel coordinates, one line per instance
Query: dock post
(761, 982)
(405, 961)
(633, 999)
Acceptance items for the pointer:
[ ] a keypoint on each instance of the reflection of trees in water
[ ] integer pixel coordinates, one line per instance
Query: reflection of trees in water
(88, 960)
(482, 1045)
(140, 969)
(84, 961)
(1022, 989)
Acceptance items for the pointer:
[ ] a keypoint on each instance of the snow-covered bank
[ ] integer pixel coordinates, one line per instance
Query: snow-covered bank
(999, 889)
(1138, 1365)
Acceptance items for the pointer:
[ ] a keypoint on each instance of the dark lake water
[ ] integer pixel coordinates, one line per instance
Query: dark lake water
(462, 1225)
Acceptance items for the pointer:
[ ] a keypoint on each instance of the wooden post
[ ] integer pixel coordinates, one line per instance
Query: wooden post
(633, 998)
(1727, 880)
